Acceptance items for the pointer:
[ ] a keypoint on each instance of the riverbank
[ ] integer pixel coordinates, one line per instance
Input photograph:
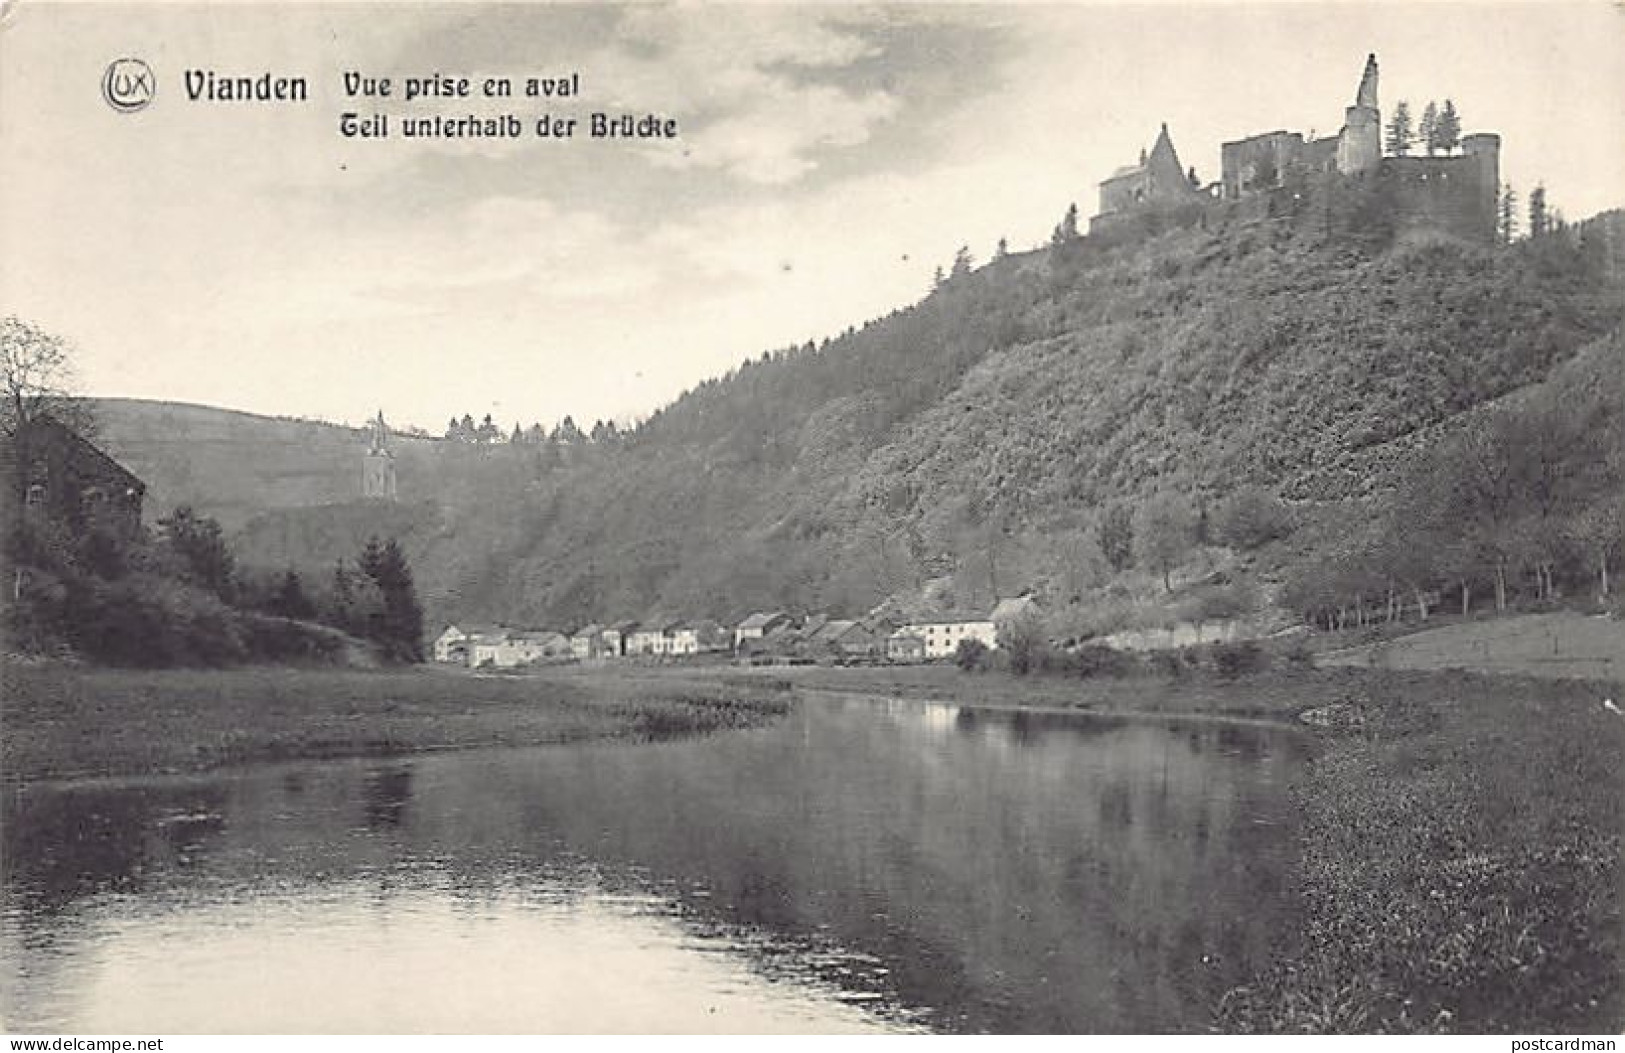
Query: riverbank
(1459, 847)
(1460, 867)
(1460, 835)
(66, 721)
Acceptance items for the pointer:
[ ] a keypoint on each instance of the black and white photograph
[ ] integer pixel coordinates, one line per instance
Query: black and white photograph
(812, 518)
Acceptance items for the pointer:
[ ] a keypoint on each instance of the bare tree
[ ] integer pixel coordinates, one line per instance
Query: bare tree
(36, 377)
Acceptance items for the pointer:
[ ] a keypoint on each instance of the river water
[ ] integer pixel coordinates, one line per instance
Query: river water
(857, 866)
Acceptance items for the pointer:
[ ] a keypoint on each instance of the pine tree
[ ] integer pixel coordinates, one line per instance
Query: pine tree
(1400, 134)
(1506, 226)
(1427, 132)
(398, 623)
(937, 279)
(1001, 250)
(962, 262)
(290, 600)
(1448, 128)
(1539, 217)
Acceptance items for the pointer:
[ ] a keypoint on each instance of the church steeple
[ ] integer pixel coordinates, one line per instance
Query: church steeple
(378, 466)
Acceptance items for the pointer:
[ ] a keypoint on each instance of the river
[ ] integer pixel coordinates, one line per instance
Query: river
(857, 866)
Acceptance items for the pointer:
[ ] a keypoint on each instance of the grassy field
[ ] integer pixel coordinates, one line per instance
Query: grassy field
(67, 721)
(1562, 644)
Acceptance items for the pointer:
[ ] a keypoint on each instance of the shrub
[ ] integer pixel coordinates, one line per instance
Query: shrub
(1234, 659)
(1100, 660)
(971, 655)
(1168, 663)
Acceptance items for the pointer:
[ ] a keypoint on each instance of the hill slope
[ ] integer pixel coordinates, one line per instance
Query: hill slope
(977, 434)
(970, 439)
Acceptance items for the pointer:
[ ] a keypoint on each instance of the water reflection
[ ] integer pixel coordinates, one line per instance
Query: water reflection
(856, 866)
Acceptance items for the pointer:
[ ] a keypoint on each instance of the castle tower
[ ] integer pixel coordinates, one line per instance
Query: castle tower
(1485, 149)
(1359, 145)
(378, 467)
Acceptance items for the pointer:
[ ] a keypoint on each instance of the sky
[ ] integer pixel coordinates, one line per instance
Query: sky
(829, 158)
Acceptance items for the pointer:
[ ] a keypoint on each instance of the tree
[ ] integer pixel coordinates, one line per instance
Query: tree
(1021, 638)
(1448, 128)
(1116, 536)
(290, 600)
(1001, 250)
(962, 263)
(1067, 229)
(1163, 527)
(398, 622)
(971, 654)
(1599, 532)
(1250, 517)
(1427, 131)
(1506, 223)
(937, 279)
(36, 372)
(1400, 133)
(1539, 218)
(200, 547)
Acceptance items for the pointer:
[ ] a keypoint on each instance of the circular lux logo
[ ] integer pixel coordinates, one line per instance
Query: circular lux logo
(128, 85)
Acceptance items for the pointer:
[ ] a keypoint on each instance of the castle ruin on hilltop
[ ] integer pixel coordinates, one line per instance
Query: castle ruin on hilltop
(1453, 193)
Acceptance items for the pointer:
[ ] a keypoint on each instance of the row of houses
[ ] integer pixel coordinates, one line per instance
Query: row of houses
(764, 634)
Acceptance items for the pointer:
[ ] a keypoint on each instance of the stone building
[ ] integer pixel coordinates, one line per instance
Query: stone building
(1159, 180)
(378, 466)
(58, 474)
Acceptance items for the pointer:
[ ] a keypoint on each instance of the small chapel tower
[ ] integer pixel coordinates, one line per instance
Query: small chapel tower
(378, 467)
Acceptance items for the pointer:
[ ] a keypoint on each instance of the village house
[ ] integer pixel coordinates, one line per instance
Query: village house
(645, 640)
(455, 642)
(943, 633)
(616, 637)
(759, 625)
(587, 641)
(904, 646)
(506, 650)
(57, 474)
(846, 638)
(679, 638)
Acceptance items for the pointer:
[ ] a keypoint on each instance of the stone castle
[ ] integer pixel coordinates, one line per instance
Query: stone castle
(378, 466)
(1453, 193)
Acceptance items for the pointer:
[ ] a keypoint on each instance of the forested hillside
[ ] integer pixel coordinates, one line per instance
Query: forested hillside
(975, 440)
(978, 435)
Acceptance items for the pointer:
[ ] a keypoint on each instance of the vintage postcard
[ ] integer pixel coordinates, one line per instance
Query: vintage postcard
(700, 518)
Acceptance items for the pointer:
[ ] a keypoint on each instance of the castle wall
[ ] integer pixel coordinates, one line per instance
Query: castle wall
(1122, 193)
(1453, 194)
(1258, 162)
